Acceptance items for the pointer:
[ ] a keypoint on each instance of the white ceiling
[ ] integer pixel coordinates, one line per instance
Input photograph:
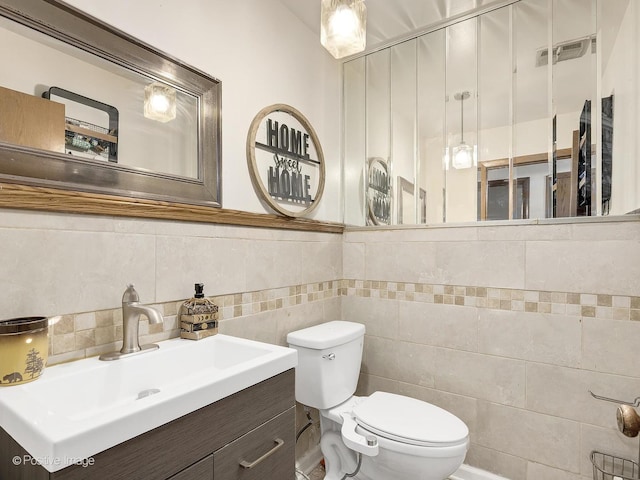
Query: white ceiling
(389, 19)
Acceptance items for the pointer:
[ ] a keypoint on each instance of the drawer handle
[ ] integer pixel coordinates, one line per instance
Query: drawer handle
(245, 464)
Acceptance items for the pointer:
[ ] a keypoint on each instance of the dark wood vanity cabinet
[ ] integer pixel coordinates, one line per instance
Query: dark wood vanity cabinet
(249, 435)
(260, 454)
(198, 471)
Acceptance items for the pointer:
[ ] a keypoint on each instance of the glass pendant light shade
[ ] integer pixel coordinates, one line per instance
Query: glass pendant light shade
(159, 102)
(343, 27)
(463, 155)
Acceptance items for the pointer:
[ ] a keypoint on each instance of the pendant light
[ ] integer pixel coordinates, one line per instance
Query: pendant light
(343, 26)
(462, 155)
(159, 102)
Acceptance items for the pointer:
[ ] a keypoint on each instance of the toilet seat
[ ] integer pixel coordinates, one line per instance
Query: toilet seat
(410, 421)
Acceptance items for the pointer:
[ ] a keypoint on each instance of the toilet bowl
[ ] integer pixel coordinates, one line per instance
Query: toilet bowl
(415, 439)
(383, 436)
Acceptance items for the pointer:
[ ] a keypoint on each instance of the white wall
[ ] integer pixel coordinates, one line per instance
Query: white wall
(263, 55)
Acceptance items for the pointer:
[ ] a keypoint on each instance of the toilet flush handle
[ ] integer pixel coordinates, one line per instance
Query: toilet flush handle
(331, 356)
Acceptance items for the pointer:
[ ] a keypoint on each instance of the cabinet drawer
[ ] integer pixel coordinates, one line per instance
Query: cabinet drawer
(202, 470)
(267, 452)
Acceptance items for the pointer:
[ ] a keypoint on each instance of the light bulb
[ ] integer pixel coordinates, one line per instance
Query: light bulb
(462, 156)
(159, 102)
(344, 22)
(343, 26)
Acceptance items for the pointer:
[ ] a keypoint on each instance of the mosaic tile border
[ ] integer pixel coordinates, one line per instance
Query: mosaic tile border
(88, 334)
(605, 307)
(82, 335)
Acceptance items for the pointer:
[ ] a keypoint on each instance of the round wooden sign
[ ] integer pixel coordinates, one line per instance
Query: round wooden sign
(285, 160)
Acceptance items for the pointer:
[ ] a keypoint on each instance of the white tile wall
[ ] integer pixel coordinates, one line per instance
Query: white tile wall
(49, 272)
(539, 337)
(580, 265)
(533, 436)
(447, 326)
(496, 379)
(506, 326)
(503, 464)
(521, 321)
(56, 264)
(612, 346)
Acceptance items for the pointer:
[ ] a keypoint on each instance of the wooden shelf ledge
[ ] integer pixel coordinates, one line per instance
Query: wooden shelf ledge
(55, 200)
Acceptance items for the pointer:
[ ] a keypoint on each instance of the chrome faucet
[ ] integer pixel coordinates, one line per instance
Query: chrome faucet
(131, 311)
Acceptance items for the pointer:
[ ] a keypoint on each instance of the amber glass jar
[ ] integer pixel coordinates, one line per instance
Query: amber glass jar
(24, 349)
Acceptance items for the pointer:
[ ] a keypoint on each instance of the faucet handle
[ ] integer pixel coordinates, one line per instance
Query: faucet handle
(130, 295)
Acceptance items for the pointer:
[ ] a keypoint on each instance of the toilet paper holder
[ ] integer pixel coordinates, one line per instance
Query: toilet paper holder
(635, 403)
(611, 467)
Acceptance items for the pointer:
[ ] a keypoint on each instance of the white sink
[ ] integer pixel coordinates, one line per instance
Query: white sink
(78, 409)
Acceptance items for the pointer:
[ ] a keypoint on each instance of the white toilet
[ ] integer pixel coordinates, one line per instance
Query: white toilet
(395, 437)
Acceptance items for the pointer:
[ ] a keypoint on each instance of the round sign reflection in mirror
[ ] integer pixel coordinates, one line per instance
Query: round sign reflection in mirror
(285, 160)
(378, 193)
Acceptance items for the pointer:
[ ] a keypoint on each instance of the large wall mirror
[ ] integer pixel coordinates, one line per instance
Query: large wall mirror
(85, 107)
(523, 109)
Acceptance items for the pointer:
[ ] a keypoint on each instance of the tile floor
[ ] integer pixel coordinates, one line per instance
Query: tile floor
(317, 473)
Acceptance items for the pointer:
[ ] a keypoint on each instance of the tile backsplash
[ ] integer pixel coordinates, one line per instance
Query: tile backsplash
(88, 334)
(81, 335)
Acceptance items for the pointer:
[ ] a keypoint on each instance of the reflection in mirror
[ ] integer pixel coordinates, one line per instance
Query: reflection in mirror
(495, 83)
(379, 190)
(163, 147)
(128, 120)
(551, 111)
(378, 103)
(356, 207)
(462, 124)
(403, 121)
(573, 89)
(431, 120)
(618, 25)
(410, 211)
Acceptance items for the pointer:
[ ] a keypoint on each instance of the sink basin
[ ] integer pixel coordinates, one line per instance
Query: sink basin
(78, 409)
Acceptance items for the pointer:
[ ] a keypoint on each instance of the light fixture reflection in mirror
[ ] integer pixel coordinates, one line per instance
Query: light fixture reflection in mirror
(159, 102)
(463, 154)
(343, 26)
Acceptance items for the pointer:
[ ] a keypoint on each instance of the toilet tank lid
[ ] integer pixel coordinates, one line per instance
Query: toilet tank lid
(326, 335)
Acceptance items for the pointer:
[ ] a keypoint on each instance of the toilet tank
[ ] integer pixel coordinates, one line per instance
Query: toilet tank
(329, 357)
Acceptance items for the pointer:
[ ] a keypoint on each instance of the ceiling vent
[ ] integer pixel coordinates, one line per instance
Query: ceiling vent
(566, 51)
